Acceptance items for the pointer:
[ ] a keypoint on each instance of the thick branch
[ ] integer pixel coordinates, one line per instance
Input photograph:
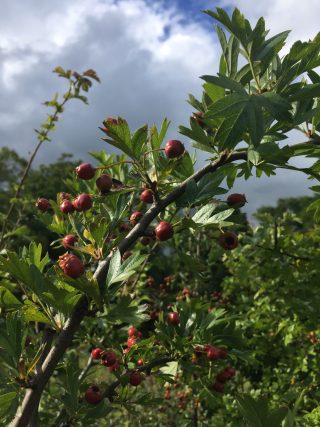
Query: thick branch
(32, 396)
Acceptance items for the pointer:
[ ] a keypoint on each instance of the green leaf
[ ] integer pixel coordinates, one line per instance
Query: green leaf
(170, 369)
(7, 402)
(226, 83)
(127, 310)
(215, 92)
(308, 92)
(7, 299)
(139, 139)
(114, 266)
(248, 408)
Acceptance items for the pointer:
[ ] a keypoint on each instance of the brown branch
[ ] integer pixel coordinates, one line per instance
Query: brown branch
(65, 338)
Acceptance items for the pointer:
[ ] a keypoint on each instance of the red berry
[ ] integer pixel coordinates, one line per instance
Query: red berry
(93, 395)
(146, 240)
(222, 376)
(96, 353)
(174, 318)
(83, 202)
(230, 371)
(151, 282)
(108, 358)
(237, 200)
(124, 227)
(69, 240)
(66, 206)
(114, 367)
(197, 116)
(43, 204)
(219, 387)
(104, 183)
(135, 378)
(135, 217)
(71, 265)
(132, 331)
(213, 353)
(228, 240)
(85, 171)
(131, 341)
(126, 255)
(164, 231)
(140, 362)
(174, 148)
(64, 196)
(146, 196)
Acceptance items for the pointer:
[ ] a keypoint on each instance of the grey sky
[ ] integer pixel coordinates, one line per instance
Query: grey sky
(148, 57)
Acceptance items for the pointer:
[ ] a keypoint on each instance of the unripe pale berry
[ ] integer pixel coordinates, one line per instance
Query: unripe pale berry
(71, 265)
(93, 395)
(228, 240)
(85, 171)
(237, 200)
(135, 378)
(174, 148)
(104, 183)
(43, 204)
(83, 202)
(69, 240)
(146, 196)
(66, 207)
(163, 231)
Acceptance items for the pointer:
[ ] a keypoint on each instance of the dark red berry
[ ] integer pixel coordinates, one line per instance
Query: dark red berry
(174, 148)
(140, 362)
(135, 217)
(237, 200)
(126, 255)
(135, 378)
(114, 367)
(43, 204)
(230, 371)
(108, 358)
(164, 231)
(213, 353)
(85, 171)
(146, 196)
(96, 353)
(222, 376)
(132, 331)
(198, 116)
(69, 240)
(228, 240)
(64, 196)
(93, 395)
(104, 183)
(83, 202)
(218, 387)
(71, 265)
(66, 206)
(174, 318)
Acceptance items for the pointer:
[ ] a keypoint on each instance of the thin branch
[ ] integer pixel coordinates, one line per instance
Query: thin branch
(110, 391)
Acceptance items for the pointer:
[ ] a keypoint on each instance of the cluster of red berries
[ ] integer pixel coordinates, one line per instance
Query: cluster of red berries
(222, 377)
(220, 299)
(107, 358)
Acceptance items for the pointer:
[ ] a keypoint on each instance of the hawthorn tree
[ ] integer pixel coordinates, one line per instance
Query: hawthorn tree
(64, 323)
